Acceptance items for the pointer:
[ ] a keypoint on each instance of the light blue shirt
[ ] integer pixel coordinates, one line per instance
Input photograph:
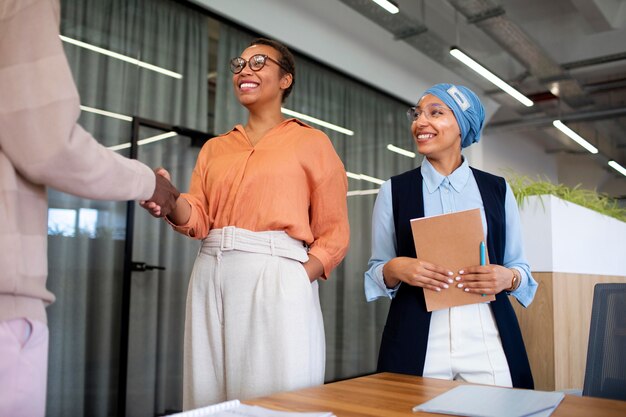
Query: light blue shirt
(456, 192)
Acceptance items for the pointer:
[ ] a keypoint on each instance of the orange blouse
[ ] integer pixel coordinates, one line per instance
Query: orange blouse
(291, 180)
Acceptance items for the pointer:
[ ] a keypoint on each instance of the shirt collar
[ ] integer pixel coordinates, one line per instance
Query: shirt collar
(433, 179)
(285, 122)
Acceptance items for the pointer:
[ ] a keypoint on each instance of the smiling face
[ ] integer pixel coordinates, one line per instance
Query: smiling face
(265, 86)
(436, 131)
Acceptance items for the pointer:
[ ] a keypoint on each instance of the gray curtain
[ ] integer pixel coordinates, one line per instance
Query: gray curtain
(228, 111)
(86, 266)
(353, 327)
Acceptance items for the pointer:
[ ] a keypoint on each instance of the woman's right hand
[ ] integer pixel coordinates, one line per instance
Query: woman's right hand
(417, 273)
(153, 208)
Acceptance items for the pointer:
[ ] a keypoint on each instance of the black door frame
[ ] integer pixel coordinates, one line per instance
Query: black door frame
(197, 139)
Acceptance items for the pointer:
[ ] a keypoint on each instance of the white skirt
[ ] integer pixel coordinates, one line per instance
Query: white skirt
(253, 321)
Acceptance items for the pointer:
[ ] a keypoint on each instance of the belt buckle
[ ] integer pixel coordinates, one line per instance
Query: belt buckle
(228, 236)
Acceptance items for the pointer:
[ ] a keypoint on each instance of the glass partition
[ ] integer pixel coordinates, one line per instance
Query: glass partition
(166, 62)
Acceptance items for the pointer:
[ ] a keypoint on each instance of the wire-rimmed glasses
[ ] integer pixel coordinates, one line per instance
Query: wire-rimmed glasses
(256, 63)
(431, 111)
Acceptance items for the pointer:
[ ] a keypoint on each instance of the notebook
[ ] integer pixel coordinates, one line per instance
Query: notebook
(234, 408)
(489, 401)
(452, 241)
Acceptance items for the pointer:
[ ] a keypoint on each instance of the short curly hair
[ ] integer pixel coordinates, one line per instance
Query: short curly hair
(286, 60)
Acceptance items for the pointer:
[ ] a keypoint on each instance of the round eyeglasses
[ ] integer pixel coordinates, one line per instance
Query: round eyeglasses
(256, 63)
(431, 111)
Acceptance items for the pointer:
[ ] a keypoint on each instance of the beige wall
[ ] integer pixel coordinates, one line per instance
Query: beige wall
(556, 327)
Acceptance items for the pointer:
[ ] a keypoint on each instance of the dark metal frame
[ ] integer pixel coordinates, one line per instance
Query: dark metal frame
(197, 139)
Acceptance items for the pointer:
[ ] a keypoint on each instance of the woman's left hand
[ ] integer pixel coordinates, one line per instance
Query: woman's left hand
(313, 267)
(485, 279)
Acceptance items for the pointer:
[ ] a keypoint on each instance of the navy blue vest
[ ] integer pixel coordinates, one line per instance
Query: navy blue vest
(403, 346)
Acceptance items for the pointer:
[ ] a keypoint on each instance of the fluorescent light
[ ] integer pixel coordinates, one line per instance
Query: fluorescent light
(121, 57)
(106, 113)
(616, 167)
(372, 179)
(461, 56)
(575, 136)
(145, 141)
(119, 147)
(401, 151)
(156, 138)
(364, 177)
(363, 192)
(387, 5)
(317, 121)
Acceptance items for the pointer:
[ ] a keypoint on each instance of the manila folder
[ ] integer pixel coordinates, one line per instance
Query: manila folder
(452, 241)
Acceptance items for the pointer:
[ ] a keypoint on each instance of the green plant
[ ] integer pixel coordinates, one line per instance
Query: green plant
(524, 187)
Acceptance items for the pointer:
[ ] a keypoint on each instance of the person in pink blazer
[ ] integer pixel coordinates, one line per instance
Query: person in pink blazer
(41, 145)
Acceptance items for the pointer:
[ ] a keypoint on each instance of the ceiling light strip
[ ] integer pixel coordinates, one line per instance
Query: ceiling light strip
(618, 167)
(106, 113)
(119, 147)
(121, 57)
(157, 138)
(575, 136)
(387, 5)
(372, 179)
(145, 141)
(317, 121)
(401, 151)
(364, 177)
(490, 76)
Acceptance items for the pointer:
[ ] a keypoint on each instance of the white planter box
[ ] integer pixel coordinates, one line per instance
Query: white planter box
(564, 237)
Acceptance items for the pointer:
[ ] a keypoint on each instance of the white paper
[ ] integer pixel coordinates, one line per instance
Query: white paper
(235, 409)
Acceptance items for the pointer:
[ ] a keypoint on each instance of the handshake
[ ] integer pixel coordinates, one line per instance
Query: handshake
(163, 201)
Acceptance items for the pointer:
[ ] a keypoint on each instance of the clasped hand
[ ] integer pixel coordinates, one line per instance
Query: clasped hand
(163, 201)
(479, 279)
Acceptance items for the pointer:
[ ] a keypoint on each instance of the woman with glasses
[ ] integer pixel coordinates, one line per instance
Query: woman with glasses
(268, 200)
(481, 342)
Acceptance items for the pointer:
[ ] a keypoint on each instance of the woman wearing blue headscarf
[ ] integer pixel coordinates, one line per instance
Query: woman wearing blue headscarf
(481, 342)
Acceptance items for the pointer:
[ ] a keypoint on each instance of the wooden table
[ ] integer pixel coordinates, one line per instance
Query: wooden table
(389, 394)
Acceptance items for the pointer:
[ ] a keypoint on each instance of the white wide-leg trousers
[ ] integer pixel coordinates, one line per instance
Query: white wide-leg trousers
(253, 320)
(464, 343)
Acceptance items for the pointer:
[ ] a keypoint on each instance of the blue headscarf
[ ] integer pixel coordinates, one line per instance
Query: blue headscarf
(466, 106)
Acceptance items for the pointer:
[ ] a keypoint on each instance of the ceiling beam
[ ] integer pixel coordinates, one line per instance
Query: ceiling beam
(535, 122)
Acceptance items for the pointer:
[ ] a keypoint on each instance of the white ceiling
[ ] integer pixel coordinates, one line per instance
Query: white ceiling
(580, 43)
(569, 56)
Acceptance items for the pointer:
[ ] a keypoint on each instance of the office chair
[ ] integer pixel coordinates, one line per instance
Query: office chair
(605, 374)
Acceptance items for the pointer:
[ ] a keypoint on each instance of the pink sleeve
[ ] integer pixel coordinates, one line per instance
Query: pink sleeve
(39, 109)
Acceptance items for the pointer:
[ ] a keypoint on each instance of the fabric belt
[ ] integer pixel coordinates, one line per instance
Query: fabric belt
(274, 243)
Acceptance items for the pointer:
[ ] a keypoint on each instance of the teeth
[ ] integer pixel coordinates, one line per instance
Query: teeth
(248, 85)
(425, 136)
